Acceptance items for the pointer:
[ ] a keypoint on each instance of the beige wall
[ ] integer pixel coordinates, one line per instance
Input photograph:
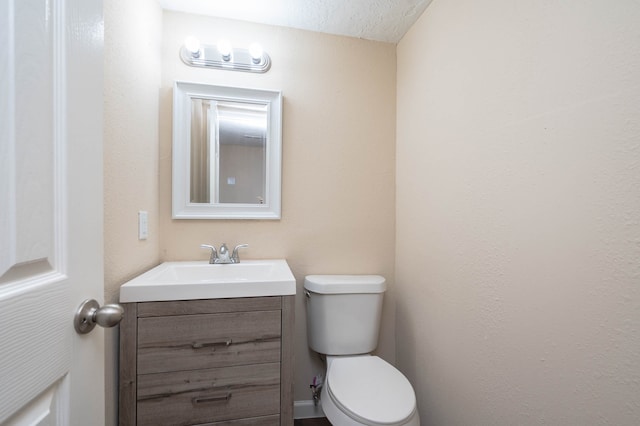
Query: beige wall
(133, 31)
(338, 160)
(518, 200)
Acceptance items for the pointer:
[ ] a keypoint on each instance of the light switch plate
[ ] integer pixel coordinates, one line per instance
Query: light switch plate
(143, 225)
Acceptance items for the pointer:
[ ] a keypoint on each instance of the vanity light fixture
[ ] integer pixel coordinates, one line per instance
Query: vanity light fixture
(224, 56)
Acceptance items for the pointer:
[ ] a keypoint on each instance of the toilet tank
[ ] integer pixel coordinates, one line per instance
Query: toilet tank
(343, 313)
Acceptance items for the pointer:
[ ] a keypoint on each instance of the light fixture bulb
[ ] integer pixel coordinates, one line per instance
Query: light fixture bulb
(255, 50)
(224, 47)
(192, 45)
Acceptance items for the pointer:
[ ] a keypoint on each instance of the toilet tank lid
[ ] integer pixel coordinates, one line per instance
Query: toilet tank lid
(345, 284)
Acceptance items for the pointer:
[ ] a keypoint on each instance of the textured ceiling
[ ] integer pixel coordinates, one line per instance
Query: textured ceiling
(380, 20)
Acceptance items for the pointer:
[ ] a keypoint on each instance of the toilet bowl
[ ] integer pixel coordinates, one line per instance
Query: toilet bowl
(343, 319)
(366, 390)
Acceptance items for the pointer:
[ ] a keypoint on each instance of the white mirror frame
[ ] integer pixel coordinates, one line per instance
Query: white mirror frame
(183, 92)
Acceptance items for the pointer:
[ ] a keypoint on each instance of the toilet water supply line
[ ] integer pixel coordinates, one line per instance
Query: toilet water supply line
(316, 387)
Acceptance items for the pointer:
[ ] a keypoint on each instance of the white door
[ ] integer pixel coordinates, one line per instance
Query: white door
(50, 210)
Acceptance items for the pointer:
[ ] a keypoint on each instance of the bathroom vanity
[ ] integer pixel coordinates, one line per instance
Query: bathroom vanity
(206, 360)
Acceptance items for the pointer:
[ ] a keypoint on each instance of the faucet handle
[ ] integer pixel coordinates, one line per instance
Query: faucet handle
(235, 256)
(214, 252)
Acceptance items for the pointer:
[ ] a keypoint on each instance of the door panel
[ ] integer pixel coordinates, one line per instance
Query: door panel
(44, 243)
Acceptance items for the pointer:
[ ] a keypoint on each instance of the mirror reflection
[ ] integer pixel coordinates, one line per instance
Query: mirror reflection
(228, 152)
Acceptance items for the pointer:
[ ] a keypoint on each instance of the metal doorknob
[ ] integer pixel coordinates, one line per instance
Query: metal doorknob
(90, 313)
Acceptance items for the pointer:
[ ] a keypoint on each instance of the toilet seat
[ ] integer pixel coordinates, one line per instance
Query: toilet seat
(370, 391)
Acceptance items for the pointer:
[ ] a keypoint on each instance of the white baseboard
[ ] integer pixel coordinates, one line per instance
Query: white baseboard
(307, 410)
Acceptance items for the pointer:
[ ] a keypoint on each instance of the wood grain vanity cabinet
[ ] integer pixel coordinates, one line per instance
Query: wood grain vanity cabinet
(207, 362)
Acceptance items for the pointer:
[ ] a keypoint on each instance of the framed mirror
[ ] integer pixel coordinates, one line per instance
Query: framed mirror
(227, 148)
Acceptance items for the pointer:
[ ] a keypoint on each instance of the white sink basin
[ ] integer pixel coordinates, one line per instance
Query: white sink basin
(200, 280)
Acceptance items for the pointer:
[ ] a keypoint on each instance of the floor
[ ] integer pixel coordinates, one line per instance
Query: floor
(321, 421)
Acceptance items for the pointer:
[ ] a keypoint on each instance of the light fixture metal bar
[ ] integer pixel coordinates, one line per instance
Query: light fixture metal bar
(240, 60)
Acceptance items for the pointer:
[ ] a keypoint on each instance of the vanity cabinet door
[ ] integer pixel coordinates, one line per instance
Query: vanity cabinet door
(189, 342)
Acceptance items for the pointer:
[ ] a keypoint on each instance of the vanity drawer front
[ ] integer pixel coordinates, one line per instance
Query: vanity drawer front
(253, 421)
(209, 306)
(189, 342)
(210, 395)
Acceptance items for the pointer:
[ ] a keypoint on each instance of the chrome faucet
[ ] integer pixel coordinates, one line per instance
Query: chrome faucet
(222, 256)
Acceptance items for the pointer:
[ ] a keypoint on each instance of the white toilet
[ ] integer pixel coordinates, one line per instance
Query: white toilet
(343, 319)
